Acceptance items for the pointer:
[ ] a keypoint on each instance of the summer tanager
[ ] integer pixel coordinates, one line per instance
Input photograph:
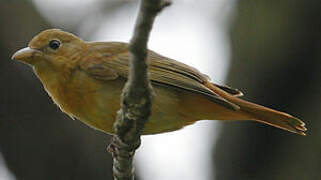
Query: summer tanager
(85, 79)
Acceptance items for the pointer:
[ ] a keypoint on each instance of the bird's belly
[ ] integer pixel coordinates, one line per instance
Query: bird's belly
(96, 104)
(167, 112)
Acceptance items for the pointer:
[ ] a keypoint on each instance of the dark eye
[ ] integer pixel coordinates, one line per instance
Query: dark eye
(54, 44)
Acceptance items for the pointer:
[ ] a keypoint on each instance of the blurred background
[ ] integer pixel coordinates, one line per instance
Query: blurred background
(270, 50)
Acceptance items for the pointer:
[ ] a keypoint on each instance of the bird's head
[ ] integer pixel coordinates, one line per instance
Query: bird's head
(51, 47)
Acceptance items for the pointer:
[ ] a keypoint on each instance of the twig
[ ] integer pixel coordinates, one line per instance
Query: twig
(136, 99)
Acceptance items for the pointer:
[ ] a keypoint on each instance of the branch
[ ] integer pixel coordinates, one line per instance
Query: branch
(136, 98)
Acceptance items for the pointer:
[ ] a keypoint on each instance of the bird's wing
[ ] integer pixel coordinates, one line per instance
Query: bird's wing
(231, 91)
(101, 72)
(162, 71)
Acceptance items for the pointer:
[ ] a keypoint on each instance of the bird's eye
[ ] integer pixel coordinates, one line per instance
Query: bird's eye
(54, 44)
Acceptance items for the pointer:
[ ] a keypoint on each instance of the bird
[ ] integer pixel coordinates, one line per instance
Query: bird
(85, 80)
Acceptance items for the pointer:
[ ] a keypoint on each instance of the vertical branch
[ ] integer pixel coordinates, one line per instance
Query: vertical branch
(136, 99)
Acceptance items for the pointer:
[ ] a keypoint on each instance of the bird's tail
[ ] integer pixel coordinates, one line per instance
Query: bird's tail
(263, 114)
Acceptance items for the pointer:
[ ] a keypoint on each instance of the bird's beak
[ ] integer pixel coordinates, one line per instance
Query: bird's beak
(27, 55)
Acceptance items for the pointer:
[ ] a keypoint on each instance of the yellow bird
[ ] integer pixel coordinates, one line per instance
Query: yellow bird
(85, 79)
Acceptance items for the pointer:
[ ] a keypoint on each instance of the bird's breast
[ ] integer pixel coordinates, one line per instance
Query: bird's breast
(91, 101)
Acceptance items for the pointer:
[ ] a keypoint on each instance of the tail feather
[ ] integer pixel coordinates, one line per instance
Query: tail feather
(272, 117)
(263, 114)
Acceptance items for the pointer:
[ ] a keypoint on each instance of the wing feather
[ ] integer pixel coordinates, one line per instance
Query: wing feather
(162, 71)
